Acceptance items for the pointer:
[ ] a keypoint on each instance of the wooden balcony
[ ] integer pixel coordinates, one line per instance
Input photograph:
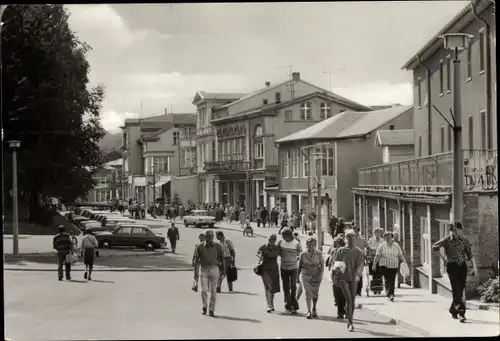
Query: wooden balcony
(227, 166)
(433, 173)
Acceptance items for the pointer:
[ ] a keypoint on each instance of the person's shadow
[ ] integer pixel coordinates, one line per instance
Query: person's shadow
(102, 281)
(230, 318)
(77, 281)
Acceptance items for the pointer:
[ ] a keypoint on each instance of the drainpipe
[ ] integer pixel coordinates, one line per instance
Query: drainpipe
(487, 31)
(429, 106)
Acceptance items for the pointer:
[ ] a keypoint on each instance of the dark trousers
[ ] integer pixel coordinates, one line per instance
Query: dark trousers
(360, 286)
(339, 300)
(61, 255)
(173, 243)
(458, 276)
(289, 279)
(390, 279)
(258, 222)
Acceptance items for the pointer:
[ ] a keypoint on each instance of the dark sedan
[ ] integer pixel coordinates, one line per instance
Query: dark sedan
(140, 236)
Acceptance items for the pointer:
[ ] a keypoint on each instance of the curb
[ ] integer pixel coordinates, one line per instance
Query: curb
(27, 256)
(482, 306)
(113, 269)
(399, 322)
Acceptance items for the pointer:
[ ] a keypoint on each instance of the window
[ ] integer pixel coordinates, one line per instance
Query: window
(441, 77)
(469, 61)
(295, 163)
(328, 162)
(448, 74)
(396, 221)
(213, 151)
(139, 231)
(305, 111)
(176, 138)
(305, 164)
(483, 130)
(481, 38)
(420, 146)
(443, 231)
(160, 164)
(259, 150)
(325, 111)
(425, 241)
(277, 97)
(258, 130)
(125, 231)
(450, 138)
(264, 101)
(471, 132)
(288, 115)
(391, 127)
(442, 139)
(286, 169)
(419, 92)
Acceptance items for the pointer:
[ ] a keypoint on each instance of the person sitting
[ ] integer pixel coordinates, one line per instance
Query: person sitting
(248, 230)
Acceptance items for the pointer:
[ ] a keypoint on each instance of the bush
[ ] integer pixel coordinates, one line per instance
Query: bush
(488, 291)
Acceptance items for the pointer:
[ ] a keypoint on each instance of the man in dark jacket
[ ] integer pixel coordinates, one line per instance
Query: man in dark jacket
(173, 236)
(264, 216)
(332, 225)
(340, 227)
(62, 243)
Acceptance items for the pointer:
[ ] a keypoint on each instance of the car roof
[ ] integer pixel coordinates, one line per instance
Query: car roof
(120, 218)
(200, 211)
(133, 225)
(90, 222)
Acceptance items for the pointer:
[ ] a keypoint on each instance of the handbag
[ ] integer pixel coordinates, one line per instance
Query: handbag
(257, 269)
(232, 274)
(71, 258)
(404, 270)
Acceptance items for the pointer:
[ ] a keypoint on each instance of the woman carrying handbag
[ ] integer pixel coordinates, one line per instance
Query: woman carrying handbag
(268, 269)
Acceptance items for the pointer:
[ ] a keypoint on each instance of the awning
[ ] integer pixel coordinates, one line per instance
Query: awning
(140, 181)
(163, 181)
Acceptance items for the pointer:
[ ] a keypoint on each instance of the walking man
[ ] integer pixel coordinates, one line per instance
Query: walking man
(89, 247)
(229, 259)
(210, 258)
(457, 249)
(64, 246)
(173, 236)
(290, 249)
(196, 267)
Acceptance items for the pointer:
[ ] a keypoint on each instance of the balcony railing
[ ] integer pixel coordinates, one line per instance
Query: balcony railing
(186, 171)
(227, 166)
(433, 173)
(205, 131)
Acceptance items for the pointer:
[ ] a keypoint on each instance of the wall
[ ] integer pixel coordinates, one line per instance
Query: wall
(473, 96)
(186, 187)
(488, 234)
(401, 153)
(165, 147)
(134, 159)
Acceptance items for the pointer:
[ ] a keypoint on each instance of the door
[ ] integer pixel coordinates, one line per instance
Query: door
(122, 236)
(138, 236)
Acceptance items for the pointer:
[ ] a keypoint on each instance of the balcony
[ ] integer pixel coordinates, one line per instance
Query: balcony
(187, 142)
(257, 163)
(187, 171)
(205, 131)
(227, 166)
(433, 173)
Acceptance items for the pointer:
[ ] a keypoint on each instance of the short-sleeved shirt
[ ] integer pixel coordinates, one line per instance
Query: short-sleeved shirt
(289, 251)
(227, 246)
(457, 249)
(389, 255)
(209, 254)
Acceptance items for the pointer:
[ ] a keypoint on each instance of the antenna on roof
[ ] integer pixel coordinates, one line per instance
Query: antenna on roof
(290, 76)
(329, 72)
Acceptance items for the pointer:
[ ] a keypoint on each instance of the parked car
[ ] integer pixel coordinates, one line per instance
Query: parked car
(199, 218)
(131, 235)
(92, 225)
(111, 222)
(78, 220)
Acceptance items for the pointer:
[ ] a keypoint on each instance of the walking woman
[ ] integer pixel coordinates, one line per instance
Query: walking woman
(335, 276)
(268, 254)
(389, 256)
(352, 257)
(89, 246)
(311, 267)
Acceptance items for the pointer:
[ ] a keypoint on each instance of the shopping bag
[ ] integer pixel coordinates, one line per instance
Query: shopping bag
(71, 258)
(339, 267)
(232, 274)
(299, 290)
(404, 270)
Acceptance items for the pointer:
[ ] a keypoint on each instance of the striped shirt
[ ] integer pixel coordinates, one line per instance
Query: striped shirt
(62, 242)
(227, 246)
(389, 255)
(289, 251)
(89, 241)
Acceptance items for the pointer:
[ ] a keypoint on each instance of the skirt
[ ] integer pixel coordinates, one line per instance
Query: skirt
(89, 256)
(271, 279)
(311, 286)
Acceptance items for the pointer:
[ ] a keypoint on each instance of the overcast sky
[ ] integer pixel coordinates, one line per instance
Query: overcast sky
(162, 54)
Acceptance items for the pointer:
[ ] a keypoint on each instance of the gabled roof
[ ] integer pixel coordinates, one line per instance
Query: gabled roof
(202, 95)
(402, 137)
(117, 162)
(349, 124)
(462, 19)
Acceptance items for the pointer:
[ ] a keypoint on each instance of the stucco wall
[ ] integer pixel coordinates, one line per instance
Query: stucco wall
(186, 187)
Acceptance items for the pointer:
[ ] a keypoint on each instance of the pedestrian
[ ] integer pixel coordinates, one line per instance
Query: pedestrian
(284, 223)
(196, 267)
(296, 236)
(64, 246)
(248, 230)
(242, 217)
(210, 258)
(173, 236)
(88, 249)
(389, 255)
(290, 249)
(229, 259)
(335, 277)
(373, 244)
(340, 227)
(311, 267)
(457, 249)
(362, 243)
(352, 257)
(264, 215)
(268, 255)
(332, 225)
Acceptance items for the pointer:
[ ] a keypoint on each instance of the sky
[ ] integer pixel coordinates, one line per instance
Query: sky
(160, 55)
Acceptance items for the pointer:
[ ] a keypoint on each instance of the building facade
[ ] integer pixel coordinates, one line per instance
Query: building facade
(347, 142)
(244, 159)
(108, 182)
(414, 196)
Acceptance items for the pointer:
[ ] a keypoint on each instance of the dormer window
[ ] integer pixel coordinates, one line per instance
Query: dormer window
(325, 111)
(305, 111)
(264, 101)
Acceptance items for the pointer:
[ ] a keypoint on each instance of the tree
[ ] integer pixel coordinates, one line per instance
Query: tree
(48, 104)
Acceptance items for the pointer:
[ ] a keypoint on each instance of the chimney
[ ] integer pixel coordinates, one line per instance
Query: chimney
(268, 84)
(165, 111)
(296, 76)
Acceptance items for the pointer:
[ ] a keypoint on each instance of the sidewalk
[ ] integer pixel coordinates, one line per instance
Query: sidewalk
(427, 314)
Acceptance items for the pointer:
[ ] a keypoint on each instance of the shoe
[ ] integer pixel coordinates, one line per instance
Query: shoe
(90, 278)
(85, 275)
(218, 290)
(203, 311)
(308, 316)
(195, 288)
(462, 319)
(211, 313)
(454, 316)
(60, 278)
(68, 278)
(269, 310)
(272, 309)
(391, 298)
(294, 312)
(340, 316)
(350, 328)
(314, 313)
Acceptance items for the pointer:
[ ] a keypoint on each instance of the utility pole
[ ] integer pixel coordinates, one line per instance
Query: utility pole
(458, 159)
(154, 189)
(14, 145)
(318, 205)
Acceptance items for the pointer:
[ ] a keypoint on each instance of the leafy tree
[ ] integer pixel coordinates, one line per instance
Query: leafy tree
(48, 104)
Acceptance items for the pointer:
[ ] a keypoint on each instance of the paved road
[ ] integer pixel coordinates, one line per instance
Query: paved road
(160, 305)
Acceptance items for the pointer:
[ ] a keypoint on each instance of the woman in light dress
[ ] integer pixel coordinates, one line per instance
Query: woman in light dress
(311, 268)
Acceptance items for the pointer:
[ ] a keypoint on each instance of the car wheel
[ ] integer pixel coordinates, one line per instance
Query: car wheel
(106, 244)
(185, 223)
(150, 246)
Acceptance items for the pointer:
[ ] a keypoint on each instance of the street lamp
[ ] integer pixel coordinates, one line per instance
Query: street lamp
(319, 156)
(14, 145)
(457, 42)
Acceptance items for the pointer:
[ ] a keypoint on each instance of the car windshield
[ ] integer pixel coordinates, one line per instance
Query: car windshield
(200, 213)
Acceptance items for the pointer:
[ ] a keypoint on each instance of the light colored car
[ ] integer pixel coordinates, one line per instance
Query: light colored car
(111, 222)
(199, 218)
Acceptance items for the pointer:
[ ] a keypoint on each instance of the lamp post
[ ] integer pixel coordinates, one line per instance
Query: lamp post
(457, 42)
(319, 158)
(14, 145)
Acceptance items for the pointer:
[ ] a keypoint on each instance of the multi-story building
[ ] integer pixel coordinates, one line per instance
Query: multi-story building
(347, 142)
(242, 156)
(108, 182)
(154, 157)
(415, 195)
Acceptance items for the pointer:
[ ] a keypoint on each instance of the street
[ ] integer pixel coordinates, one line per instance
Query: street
(161, 305)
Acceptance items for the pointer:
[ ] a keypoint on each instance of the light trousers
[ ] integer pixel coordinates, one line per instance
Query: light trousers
(209, 277)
